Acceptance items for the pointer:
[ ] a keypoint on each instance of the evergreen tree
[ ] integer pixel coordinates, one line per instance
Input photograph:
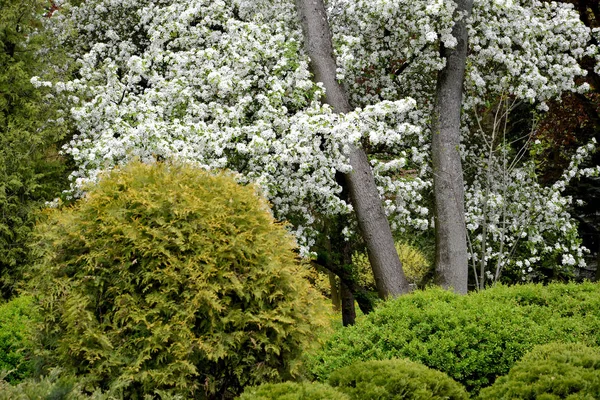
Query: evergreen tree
(31, 171)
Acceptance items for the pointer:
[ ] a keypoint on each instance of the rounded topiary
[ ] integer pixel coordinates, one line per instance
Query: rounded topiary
(293, 391)
(395, 379)
(552, 371)
(169, 278)
(473, 338)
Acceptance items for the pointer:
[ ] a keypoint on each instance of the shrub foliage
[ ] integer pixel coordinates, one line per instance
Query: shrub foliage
(17, 322)
(168, 278)
(395, 379)
(552, 371)
(472, 338)
(293, 391)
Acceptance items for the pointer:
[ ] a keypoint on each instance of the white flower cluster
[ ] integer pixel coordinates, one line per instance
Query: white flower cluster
(528, 49)
(389, 49)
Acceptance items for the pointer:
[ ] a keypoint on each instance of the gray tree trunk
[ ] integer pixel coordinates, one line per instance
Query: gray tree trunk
(336, 298)
(448, 183)
(348, 308)
(373, 223)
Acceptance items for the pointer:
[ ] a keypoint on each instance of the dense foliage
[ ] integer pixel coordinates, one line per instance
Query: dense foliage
(472, 338)
(395, 379)
(293, 391)
(31, 171)
(167, 278)
(553, 371)
(17, 323)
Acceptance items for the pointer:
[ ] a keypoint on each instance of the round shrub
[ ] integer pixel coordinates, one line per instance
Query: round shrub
(293, 391)
(169, 278)
(395, 379)
(17, 323)
(472, 338)
(556, 371)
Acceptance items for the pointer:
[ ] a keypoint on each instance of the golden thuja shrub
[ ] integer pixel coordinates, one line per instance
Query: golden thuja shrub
(415, 264)
(173, 280)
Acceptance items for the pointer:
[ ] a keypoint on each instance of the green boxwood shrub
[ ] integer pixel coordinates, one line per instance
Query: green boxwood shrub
(395, 379)
(169, 278)
(472, 338)
(17, 323)
(293, 391)
(552, 371)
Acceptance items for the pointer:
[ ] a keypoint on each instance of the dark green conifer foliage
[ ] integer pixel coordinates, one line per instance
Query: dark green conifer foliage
(169, 278)
(396, 379)
(31, 172)
(552, 371)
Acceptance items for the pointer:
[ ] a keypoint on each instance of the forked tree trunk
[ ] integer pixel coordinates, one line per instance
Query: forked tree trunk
(372, 221)
(448, 183)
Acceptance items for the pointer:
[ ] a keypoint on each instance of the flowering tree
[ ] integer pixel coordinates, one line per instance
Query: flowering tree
(257, 113)
(525, 51)
(226, 84)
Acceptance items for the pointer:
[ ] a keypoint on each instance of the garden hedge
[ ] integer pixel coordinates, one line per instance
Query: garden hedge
(472, 338)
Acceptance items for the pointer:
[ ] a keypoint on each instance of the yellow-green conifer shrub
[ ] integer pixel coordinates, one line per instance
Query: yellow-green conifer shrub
(168, 279)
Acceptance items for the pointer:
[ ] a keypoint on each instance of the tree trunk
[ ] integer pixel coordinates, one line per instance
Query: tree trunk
(372, 221)
(450, 230)
(336, 258)
(348, 308)
(598, 261)
(336, 299)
